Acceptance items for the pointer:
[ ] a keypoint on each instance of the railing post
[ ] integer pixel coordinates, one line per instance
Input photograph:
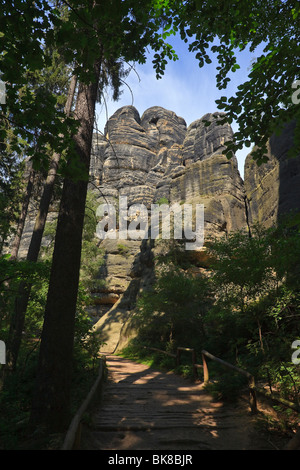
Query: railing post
(178, 357)
(205, 369)
(252, 398)
(77, 440)
(195, 373)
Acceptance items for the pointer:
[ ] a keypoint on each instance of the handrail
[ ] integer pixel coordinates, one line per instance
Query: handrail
(72, 438)
(226, 364)
(160, 350)
(253, 389)
(250, 377)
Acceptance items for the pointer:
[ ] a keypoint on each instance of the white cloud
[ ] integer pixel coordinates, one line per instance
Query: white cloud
(185, 88)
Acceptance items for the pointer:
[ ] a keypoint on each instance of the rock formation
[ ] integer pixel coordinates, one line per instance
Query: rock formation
(273, 189)
(156, 158)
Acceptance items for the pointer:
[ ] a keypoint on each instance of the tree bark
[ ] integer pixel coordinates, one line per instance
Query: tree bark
(22, 218)
(37, 235)
(22, 298)
(51, 402)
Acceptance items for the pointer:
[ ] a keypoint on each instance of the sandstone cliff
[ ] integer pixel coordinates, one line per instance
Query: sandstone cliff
(273, 189)
(152, 158)
(157, 158)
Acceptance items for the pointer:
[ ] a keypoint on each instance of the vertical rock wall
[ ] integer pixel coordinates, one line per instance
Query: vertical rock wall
(152, 158)
(273, 189)
(156, 157)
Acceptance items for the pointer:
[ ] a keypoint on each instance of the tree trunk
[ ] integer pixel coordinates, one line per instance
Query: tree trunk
(22, 298)
(37, 235)
(51, 403)
(22, 218)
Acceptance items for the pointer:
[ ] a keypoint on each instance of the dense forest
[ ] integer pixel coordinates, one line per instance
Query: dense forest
(57, 59)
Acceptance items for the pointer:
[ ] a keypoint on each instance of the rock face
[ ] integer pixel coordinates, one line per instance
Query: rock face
(201, 141)
(273, 189)
(136, 154)
(156, 158)
(140, 151)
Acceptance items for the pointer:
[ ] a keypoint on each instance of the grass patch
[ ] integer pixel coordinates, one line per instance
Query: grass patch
(141, 354)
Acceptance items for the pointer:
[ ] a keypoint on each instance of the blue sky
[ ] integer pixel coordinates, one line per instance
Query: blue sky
(186, 89)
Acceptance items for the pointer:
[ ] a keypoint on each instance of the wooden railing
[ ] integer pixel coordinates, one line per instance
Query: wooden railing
(73, 436)
(250, 377)
(253, 389)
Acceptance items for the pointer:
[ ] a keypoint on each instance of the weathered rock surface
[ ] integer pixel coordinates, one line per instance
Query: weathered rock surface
(201, 141)
(156, 158)
(137, 154)
(273, 189)
(186, 165)
(216, 183)
(153, 157)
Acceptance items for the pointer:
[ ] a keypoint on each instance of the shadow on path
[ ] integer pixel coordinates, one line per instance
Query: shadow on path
(146, 409)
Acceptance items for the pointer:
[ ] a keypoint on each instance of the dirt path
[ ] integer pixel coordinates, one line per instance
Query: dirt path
(146, 409)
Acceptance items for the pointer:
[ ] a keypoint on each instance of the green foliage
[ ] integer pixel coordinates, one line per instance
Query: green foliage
(92, 256)
(36, 95)
(86, 342)
(162, 200)
(228, 386)
(16, 395)
(122, 249)
(11, 274)
(50, 43)
(11, 185)
(239, 277)
(263, 103)
(15, 401)
(173, 311)
(256, 279)
(255, 318)
(246, 311)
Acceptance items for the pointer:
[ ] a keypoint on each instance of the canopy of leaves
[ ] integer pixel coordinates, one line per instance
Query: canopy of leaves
(80, 33)
(264, 102)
